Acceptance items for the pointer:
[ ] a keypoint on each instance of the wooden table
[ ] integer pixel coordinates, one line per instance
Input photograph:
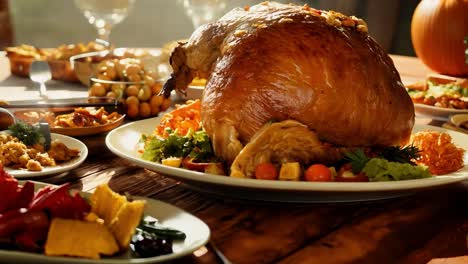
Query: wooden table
(410, 230)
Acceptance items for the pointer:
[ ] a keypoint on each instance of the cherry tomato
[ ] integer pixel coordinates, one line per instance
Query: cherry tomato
(318, 172)
(266, 171)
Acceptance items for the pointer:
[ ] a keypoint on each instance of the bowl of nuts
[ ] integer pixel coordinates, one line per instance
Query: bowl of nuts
(85, 65)
(130, 82)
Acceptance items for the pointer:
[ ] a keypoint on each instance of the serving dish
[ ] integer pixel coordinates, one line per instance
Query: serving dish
(85, 65)
(88, 131)
(62, 167)
(435, 112)
(54, 113)
(123, 142)
(196, 230)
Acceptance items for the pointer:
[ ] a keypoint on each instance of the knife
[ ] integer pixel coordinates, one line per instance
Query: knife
(106, 102)
(44, 129)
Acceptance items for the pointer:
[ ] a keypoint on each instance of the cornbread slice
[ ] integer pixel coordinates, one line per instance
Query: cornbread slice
(121, 216)
(127, 219)
(77, 238)
(106, 203)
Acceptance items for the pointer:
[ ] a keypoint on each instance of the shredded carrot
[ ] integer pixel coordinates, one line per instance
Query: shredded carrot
(438, 152)
(184, 118)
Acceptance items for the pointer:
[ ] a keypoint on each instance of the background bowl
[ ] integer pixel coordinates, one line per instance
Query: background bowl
(85, 65)
(62, 70)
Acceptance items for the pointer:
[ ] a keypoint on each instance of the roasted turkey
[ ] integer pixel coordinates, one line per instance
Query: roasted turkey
(276, 62)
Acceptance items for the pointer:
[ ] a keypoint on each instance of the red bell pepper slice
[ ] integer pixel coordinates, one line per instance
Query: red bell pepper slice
(24, 197)
(12, 214)
(26, 220)
(32, 239)
(59, 203)
(8, 190)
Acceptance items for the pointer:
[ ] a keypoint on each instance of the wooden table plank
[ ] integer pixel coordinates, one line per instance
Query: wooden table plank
(389, 232)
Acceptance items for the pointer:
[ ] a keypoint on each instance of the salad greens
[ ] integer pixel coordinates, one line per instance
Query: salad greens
(451, 89)
(437, 90)
(196, 145)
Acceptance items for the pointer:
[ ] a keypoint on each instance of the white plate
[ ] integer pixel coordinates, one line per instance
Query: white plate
(436, 112)
(196, 230)
(123, 141)
(62, 167)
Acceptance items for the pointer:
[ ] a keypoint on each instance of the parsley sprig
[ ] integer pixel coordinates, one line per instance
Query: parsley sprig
(26, 133)
(358, 158)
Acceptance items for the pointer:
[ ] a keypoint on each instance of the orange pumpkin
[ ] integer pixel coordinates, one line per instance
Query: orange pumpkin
(438, 29)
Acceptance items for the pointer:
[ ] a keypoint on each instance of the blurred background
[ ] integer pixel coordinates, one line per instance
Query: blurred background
(152, 23)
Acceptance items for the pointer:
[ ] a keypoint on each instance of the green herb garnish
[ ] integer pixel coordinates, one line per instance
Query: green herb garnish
(26, 133)
(358, 159)
(400, 154)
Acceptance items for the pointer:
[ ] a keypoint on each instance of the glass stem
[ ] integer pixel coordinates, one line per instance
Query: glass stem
(104, 32)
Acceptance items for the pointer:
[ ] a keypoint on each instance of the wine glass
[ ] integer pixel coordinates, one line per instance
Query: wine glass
(203, 11)
(104, 14)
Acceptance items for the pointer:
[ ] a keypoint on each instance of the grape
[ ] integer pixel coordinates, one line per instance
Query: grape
(147, 245)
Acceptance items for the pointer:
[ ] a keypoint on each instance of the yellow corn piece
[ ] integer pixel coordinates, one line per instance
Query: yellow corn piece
(290, 171)
(105, 203)
(127, 219)
(77, 238)
(120, 215)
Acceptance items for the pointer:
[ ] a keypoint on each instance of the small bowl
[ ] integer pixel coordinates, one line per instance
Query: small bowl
(85, 64)
(61, 70)
(20, 66)
(6, 119)
(460, 120)
(96, 80)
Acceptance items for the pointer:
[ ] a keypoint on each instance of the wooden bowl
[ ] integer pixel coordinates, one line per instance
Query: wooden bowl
(20, 65)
